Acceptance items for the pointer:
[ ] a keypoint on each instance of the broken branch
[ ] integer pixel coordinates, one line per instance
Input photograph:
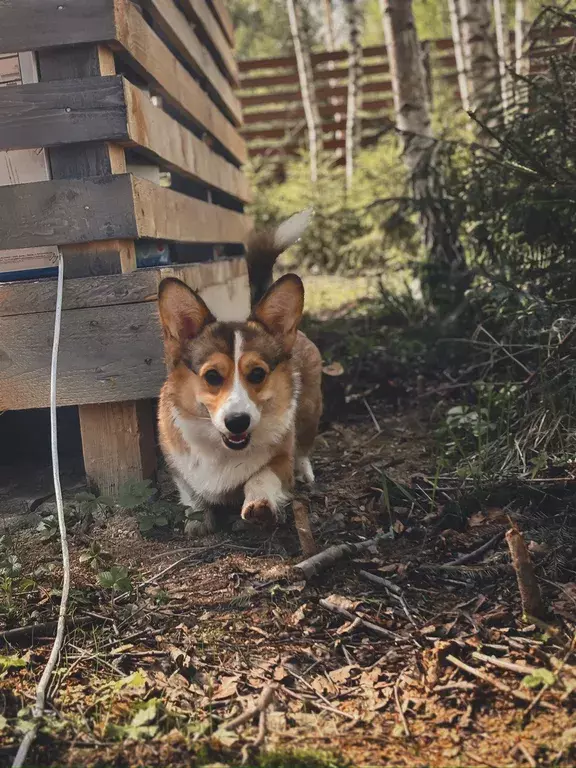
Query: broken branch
(527, 584)
(302, 522)
(266, 698)
(328, 557)
(352, 617)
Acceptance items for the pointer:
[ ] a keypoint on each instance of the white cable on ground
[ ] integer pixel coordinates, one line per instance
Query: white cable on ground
(38, 708)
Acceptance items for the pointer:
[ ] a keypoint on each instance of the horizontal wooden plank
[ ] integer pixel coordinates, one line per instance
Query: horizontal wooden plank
(203, 15)
(265, 117)
(327, 128)
(167, 215)
(153, 59)
(182, 36)
(34, 296)
(170, 143)
(339, 91)
(51, 113)
(30, 25)
(107, 353)
(67, 211)
(224, 19)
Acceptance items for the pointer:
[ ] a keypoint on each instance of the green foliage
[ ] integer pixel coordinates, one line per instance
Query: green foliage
(117, 579)
(11, 662)
(355, 232)
(159, 515)
(134, 493)
(95, 556)
(141, 725)
(538, 678)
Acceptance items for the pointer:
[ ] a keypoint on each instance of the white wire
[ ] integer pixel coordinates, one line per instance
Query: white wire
(38, 708)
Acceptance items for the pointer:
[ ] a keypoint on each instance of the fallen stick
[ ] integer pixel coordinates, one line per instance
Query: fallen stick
(266, 698)
(400, 710)
(47, 629)
(527, 584)
(382, 631)
(468, 558)
(320, 562)
(521, 669)
(302, 522)
(479, 673)
(386, 583)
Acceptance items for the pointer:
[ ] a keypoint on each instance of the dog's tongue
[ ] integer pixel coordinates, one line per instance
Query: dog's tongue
(237, 438)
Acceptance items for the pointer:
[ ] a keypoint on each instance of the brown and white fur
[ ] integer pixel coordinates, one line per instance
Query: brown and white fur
(239, 410)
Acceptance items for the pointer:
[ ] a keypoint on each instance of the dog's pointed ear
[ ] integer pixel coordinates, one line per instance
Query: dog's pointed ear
(183, 314)
(280, 309)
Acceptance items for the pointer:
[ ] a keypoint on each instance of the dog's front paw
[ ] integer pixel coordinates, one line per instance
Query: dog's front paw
(259, 512)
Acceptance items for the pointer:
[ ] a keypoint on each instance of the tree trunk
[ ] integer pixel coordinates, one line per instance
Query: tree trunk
(353, 123)
(444, 277)
(479, 54)
(307, 89)
(521, 54)
(456, 25)
(503, 48)
(328, 25)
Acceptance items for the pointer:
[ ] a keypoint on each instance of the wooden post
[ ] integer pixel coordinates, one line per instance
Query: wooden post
(117, 438)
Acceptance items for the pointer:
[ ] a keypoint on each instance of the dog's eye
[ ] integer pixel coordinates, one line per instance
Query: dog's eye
(213, 378)
(256, 375)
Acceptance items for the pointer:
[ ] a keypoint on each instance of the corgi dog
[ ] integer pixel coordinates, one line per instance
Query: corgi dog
(239, 411)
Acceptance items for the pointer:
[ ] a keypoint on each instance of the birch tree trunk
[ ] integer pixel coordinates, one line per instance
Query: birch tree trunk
(479, 54)
(328, 25)
(503, 48)
(521, 54)
(444, 277)
(353, 122)
(307, 88)
(462, 68)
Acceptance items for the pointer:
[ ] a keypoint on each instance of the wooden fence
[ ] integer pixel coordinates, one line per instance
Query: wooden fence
(272, 104)
(135, 110)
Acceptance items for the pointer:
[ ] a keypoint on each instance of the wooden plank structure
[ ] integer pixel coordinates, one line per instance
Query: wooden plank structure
(128, 94)
(272, 105)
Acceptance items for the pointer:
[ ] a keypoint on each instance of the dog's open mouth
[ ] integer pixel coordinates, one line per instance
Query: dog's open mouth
(236, 442)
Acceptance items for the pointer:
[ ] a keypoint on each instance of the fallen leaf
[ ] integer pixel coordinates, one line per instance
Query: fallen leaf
(349, 626)
(298, 616)
(228, 687)
(342, 674)
(343, 602)
(281, 673)
(334, 369)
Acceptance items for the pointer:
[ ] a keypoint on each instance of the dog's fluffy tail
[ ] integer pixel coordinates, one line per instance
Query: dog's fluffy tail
(263, 248)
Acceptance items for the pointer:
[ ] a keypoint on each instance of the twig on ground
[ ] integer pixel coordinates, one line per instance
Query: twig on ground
(527, 584)
(178, 562)
(476, 553)
(305, 682)
(386, 583)
(48, 628)
(400, 710)
(328, 557)
(521, 669)
(311, 700)
(479, 673)
(266, 698)
(302, 522)
(372, 416)
(352, 617)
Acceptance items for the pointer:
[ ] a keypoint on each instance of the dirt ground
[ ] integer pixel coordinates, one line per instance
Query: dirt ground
(430, 663)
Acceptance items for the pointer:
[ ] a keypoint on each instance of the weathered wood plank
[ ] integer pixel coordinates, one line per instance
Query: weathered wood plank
(118, 444)
(164, 214)
(34, 297)
(30, 25)
(67, 211)
(223, 18)
(173, 82)
(51, 113)
(182, 36)
(107, 353)
(168, 141)
(202, 14)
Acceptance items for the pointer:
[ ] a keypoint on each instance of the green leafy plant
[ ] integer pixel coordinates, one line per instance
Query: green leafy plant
(95, 556)
(117, 579)
(135, 493)
(141, 725)
(539, 677)
(158, 515)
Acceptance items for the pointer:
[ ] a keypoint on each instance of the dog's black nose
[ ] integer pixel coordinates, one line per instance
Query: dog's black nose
(237, 423)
